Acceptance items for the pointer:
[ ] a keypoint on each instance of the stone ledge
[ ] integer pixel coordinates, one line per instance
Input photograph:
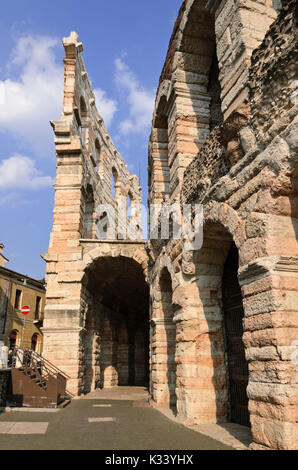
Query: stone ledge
(114, 242)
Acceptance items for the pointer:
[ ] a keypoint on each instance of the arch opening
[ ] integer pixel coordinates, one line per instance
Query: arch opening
(83, 108)
(233, 313)
(114, 183)
(220, 351)
(89, 228)
(34, 341)
(82, 119)
(169, 331)
(129, 205)
(159, 168)
(13, 337)
(116, 338)
(97, 152)
(214, 92)
(207, 69)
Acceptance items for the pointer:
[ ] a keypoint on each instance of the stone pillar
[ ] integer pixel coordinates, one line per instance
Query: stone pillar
(96, 360)
(200, 354)
(108, 365)
(63, 318)
(159, 361)
(91, 350)
(109, 357)
(123, 363)
(240, 27)
(268, 278)
(189, 117)
(271, 333)
(64, 347)
(123, 356)
(139, 358)
(159, 171)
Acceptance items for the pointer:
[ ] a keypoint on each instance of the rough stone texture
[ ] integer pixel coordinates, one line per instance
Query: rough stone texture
(224, 133)
(277, 69)
(82, 324)
(207, 167)
(244, 171)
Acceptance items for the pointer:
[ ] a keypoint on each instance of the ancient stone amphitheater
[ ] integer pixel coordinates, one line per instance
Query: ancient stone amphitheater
(212, 330)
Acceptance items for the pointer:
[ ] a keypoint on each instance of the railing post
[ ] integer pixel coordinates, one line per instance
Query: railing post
(19, 358)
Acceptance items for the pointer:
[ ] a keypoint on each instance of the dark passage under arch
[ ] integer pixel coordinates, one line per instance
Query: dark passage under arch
(233, 316)
(116, 340)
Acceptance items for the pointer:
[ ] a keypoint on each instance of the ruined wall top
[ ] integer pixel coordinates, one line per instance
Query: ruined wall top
(81, 131)
(273, 73)
(272, 104)
(234, 28)
(204, 83)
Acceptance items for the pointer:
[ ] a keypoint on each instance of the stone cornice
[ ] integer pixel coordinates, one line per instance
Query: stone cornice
(161, 321)
(62, 330)
(267, 266)
(287, 263)
(67, 186)
(113, 242)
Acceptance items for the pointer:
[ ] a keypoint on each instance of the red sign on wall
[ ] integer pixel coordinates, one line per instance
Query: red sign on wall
(25, 310)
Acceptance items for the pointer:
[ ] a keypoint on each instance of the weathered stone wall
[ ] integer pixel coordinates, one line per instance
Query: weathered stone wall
(208, 56)
(240, 26)
(223, 136)
(90, 171)
(245, 174)
(273, 74)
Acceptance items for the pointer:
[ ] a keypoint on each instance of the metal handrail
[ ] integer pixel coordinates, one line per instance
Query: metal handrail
(29, 366)
(50, 365)
(38, 361)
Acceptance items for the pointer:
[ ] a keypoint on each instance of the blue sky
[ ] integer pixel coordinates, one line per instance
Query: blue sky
(125, 44)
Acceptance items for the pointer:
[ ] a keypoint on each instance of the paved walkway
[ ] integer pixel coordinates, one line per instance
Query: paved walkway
(94, 423)
(234, 435)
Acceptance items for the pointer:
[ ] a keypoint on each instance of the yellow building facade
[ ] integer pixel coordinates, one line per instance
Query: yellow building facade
(17, 291)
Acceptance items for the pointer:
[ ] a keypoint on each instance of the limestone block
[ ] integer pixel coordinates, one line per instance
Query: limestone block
(274, 372)
(272, 392)
(266, 353)
(274, 434)
(273, 412)
(69, 276)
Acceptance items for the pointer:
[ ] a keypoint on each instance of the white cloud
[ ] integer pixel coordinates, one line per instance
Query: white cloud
(140, 100)
(34, 97)
(106, 107)
(31, 100)
(19, 172)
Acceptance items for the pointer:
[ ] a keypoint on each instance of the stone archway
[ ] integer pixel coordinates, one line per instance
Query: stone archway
(116, 333)
(165, 344)
(204, 393)
(114, 249)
